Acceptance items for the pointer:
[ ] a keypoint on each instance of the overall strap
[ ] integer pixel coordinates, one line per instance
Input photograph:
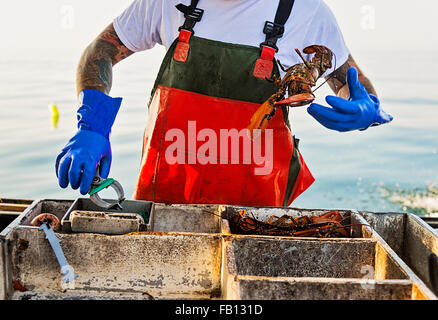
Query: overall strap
(273, 31)
(192, 15)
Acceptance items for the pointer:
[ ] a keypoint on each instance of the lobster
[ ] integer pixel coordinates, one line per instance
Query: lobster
(297, 82)
(328, 225)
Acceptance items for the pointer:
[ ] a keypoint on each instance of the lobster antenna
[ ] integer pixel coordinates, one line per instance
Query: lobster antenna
(302, 58)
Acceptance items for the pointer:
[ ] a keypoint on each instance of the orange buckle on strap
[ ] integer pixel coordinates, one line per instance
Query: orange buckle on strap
(265, 64)
(182, 48)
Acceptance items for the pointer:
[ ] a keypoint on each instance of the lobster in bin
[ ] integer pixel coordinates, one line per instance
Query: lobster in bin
(297, 83)
(329, 225)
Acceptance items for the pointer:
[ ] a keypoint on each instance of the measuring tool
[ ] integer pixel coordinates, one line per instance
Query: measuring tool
(98, 185)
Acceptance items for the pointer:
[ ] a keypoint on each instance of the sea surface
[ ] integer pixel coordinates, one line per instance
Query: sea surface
(393, 167)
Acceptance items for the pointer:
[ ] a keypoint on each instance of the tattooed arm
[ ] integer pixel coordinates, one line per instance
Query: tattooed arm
(95, 66)
(338, 79)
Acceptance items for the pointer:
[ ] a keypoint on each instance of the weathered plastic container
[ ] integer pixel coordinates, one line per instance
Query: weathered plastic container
(146, 208)
(175, 263)
(53, 206)
(10, 209)
(189, 252)
(361, 267)
(184, 218)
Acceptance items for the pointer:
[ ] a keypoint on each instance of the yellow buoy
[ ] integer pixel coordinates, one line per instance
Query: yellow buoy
(55, 115)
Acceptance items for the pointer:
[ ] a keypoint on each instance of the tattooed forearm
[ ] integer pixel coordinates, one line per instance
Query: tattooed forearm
(338, 79)
(95, 66)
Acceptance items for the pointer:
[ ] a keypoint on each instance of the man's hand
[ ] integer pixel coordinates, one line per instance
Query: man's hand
(359, 112)
(90, 147)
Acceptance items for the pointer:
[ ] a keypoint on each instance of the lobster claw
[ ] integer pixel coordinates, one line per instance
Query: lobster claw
(316, 48)
(297, 100)
(323, 56)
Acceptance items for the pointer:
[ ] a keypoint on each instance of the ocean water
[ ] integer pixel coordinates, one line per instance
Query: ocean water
(393, 167)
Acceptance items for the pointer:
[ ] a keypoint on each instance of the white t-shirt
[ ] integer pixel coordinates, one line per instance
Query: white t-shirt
(148, 22)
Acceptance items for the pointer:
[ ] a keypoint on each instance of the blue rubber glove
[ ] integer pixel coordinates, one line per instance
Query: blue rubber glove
(90, 146)
(360, 112)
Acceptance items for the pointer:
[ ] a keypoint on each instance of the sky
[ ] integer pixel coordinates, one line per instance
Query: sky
(64, 28)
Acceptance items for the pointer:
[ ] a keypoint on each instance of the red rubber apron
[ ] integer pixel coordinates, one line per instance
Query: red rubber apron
(204, 89)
